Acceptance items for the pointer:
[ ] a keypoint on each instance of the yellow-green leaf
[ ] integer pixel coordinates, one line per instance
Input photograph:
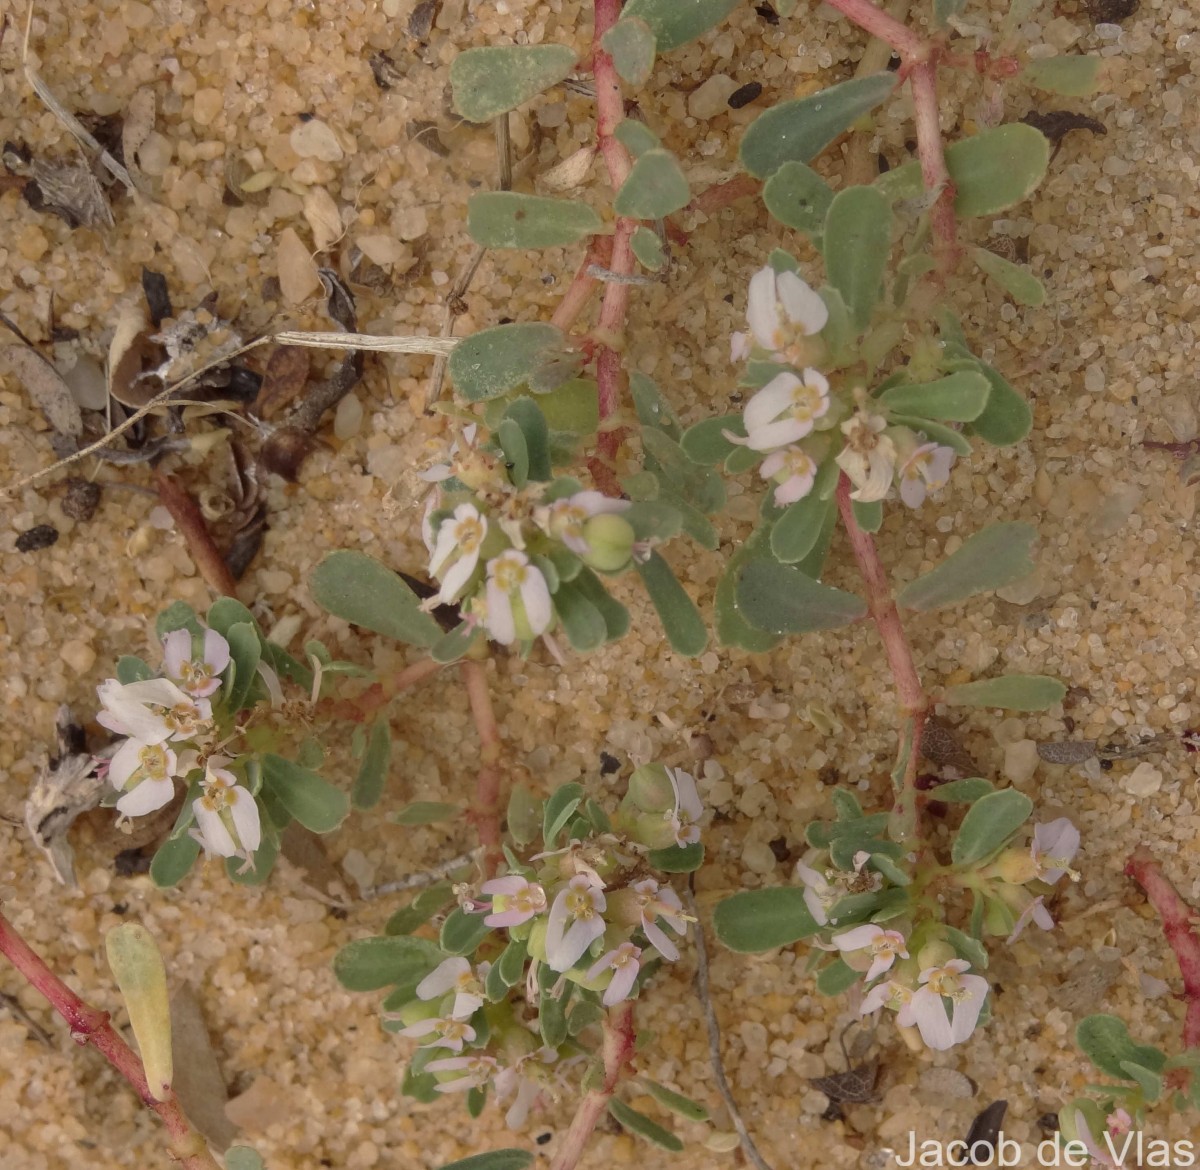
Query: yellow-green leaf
(141, 975)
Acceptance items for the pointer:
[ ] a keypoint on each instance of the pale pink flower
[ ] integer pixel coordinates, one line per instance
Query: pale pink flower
(200, 677)
(655, 902)
(477, 1069)
(784, 410)
(1054, 846)
(451, 1033)
(781, 310)
(152, 710)
(456, 551)
(892, 995)
(454, 974)
(868, 457)
(145, 774)
(518, 599)
(819, 894)
(576, 921)
(514, 900)
(939, 1029)
(624, 962)
(227, 817)
(1035, 911)
(927, 469)
(565, 519)
(793, 470)
(688, 810)
(884, 945)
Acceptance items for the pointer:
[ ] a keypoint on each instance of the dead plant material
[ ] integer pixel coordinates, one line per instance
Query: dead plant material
(67, 189)
(82, 498)
(128, 353)
(45, 386)
(138, 124)
(284, 380)
(940, 745)
(158, 297)
(191, 524)
(246, 524)
(1057, 124)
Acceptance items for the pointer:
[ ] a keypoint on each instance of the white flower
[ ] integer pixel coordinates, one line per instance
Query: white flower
(524, 1090)
(884, 946)
(784, 410)
(477, 1069)
(514, 900)
(1053, 847)
(457, 975)
(624, 961)
(145, 773)
(892, 995)
(227, 818)
(152, 710)
(456, 551)
(939, 1029)
(198, 676)
(655, 902)
(688, 810)
(926, 469)
(868, 457)
(1036, 911)
(793, 470)
(565, 519)
(781, 311)
(518, 599)
(819, 895)
(576, 921)
(451, 1033)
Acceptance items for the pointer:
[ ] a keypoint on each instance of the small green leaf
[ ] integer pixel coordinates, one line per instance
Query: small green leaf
(582, 622)
(524, 815)
(373, 770)
(243, 1158)
(227, 612)
(583, 1014)
(137, 965)
(868, 516)
(490, 81)
(845, 805)
(1151, 1083)
(506, 219)
(636, 137)
(430, 901)
(616, 616)
(856, 243)
(705, 442)
(760, 920)
(675, 22)
(1106, 1042)
(997, 169)
(675, 1102)
(653, 410)
(174, 861)
(1007, 417)
(655, 187)
(648, 249)
(367, 964)
(962, 791)
(1014, 692)
(462, 932)
(680, 618)
(798, 197)
(639, 1123)
(958, 397)
(797, 131)
(935, 433)
(560, 807)
(314, 802)
(426, 812)
(795, 533)
(890, 870)
(494, 361)
(631, 44)
(988, 825)
(677, 858)
(454, 645)
(782, 600)
(837, 977)
(245, 650)
(357, 588)
(131, 669)
(493, 1160)
(1014, 279)
(968, 948)
(178, 616)
(1069, 76)
(996, 556)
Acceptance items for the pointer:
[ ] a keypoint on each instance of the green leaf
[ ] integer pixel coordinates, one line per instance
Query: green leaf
(1014, 692)
(454, 645)
(524, 815)
(1106, 1042)
(582, 622)
(616, 616)
(655, 187)
(1069, 76)
(490, 81)
(505, 219)
(430, 901)
(314, 802)
(760, 920)
(177, 616)
(357, 588)
(837, 977)
(527, 415)
(494, 361)
(636, 137)
(997, 169)
(968, 948)
(632, 46)
(988, 825)
(131, 669)
(1014, 279)
(462, 932)
(426, 812)
(265, 857)
(944, 9)
(962, 791)
(1007, 417)
(890, 870)
(173, 861)
(996, 556)
(653, 410)
(845, 805)
(676, 1102)
(227, 612)
(245, 650)
(677, 858)
(639, 1123)
(373, 770)
(560, 807)
(935, 433)
(243, 1158)
(797, 131)
(493, 1160)
(868, 516)
(782, 600)
(958, 397)
(795, 533)
(675, 22)
(552, 1018)
(573, 407)
(705, 442)
(583, 1014)
(856, 243)
(680, 618)
(798, 197)
(1151, 1083)
(648, 249)
(367, 964)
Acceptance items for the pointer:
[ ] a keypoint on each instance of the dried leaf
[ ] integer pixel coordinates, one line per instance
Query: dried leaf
(43, 383)
(284, 378)
(198, 1082)
(297, 269)
(139, 124)
(855, 1086)
(158, 296)
(1067, 751)
(940, 746)
(571, 172)
(71, 191)
(323, 218)
(126, 354)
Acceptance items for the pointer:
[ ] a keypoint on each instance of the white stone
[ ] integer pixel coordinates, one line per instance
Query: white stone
(1020, 762)
(1144, 780)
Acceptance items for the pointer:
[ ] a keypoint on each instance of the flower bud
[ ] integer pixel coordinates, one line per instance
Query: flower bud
(935, 954)
(417, 1010)
(1013, 865)
(610, 539)
(650, 789)
(537, 940)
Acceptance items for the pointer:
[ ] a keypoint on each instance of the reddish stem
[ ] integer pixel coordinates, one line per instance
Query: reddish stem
(580, 290)
(936, 177)
(885, 615)
(1177, 919)
(377, 695)
(724, 194)
(618, 1053)
(90, 1026)
(910, 45)
(190, 521)
(485, 811)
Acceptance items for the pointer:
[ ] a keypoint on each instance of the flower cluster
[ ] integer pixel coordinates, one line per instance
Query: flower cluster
(909, 962)
(575, 925)
(797, 421)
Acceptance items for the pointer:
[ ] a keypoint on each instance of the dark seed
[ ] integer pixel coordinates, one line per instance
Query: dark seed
(745, 95)
(779, 847)
(82, 499)
(767, 13)
(158, 298)
(986, 1127)
(40, 536)
(609, 764)
(543, 1138)
(1111, 11)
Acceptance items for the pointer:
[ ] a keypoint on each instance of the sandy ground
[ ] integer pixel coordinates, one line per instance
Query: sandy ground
(1107, 363)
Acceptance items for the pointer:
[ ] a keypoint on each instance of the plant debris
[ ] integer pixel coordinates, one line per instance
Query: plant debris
(82, 498)
(1067, 751)
(1057, 124)
(1111, 11)
(940, 745)
(67, 189)
(985, 1130)
(45, 385)
(39, 536)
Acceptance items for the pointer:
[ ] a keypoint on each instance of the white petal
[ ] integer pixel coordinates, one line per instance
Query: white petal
(686, 796)
(968, 1008)
(582, 933)
(793, 489)
(177, 649)
(771, 401)
(214, 835)
(447, 542)
(779, 434)
(126, 760)
(443, 978)
(216, 651)
(535, 596)
(271, 682)
(762, 308)
(244, 809)
(930, 1015)
(875, 999)
(457, 576)
(598, 504)
(879, 965)
(500, 623)
(739, 347)
(857, 938)
(146, 797)
(912, 490)
(660, 942)
(802, 305)
(621, 985)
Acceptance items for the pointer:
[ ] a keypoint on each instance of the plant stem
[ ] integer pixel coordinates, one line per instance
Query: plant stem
(187, 515)
(377, 695)
(618, 1052)
(1177, 919)
(485, 811)
(913, 700)
(90, 1026)
(910, 45)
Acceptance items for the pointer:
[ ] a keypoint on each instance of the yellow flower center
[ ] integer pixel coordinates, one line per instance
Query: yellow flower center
(510, 574)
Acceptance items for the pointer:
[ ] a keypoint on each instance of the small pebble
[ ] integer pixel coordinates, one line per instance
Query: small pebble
(711, 97)
(40, 536)
(1020, 761)
(82, 498)
(744, 96)
(206, 105)
(79, 656)
(316, 139)
(1144, 780)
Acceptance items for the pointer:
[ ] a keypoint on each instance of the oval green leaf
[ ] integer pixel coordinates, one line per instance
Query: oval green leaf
(997, 169)
(1106, 1042)
(367, 964)
(796, 532)
(798, 197)
(631, 44)
(1013, 692)
(372, 772)
(1007, 417)
(856, 242)
(506, 219)
(426, 812)
(174, 861)
(760, 920)
(988, 825)
(490, 81)
(313, 801)
(1070, 76)
(137, 965)
(680, 618)
(655, 188)
(675, 1102)
(958, 397)
(782, 600)
(494, 361)
(675, 22)
(994, 557)
(462, 932)
(639, 1123)
(357, 588)
(1014, 279)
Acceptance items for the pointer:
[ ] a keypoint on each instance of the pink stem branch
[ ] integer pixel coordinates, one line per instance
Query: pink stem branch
(885, 615)
(934, 173)
(1178, 920)
(887, 28)
(362, 707)
(90, 1026)
(485, 811)
(618, 1053)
